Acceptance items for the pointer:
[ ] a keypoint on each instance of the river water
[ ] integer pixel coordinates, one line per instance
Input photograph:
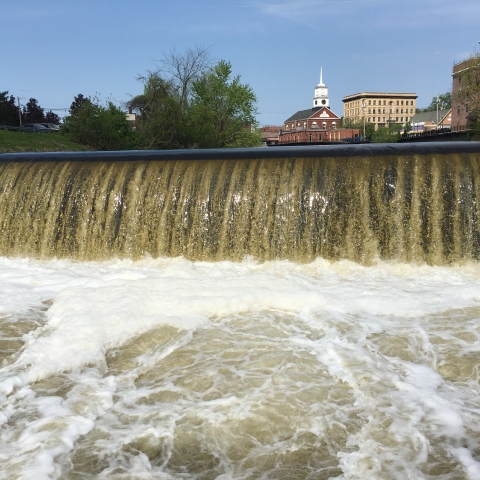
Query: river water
(169, 368)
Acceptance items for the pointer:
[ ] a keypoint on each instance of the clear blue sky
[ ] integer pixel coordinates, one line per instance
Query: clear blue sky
(53, 50)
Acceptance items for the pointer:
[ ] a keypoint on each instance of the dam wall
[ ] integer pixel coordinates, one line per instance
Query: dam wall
(400, 202)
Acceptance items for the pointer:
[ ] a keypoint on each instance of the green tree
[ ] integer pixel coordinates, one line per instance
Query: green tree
(469, 94)
(78, 101)
(162, 118)
(51, 117)
(388, 134)
(164, 105)
(100, 127)
(443, 100)
(222, 112)
(369, 127)
(8, 110)
(187, 104)
(33, 112)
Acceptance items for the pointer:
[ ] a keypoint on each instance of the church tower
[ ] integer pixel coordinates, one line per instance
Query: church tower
(321, 95)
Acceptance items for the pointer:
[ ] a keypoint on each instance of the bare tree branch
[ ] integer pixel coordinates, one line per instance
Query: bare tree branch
(183, 69)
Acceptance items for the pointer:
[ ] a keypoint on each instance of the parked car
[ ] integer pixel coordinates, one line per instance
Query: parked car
(51, 126)
(34, 128)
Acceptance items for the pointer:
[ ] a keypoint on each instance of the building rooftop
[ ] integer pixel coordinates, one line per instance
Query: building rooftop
(302, 114)
(379, 94)
(430, 116)
(465, 64)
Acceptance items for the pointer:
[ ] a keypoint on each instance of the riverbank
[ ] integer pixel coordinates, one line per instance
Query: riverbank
(16, 142)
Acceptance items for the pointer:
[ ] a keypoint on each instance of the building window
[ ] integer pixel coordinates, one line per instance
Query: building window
(369, 111)
(373, 119)
(369, 102)
(334, 125)
(368, 120)
(466, 107)
(402, 102)
(374, 102)
(324, 125)
(401, 110)
(458, 109)
(397, 102)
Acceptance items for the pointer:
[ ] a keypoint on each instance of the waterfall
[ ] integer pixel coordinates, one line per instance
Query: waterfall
(404, 203)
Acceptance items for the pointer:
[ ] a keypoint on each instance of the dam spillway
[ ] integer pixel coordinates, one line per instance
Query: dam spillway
(408, 203)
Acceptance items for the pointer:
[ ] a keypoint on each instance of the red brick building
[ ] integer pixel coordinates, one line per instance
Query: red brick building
(460, 109)
(317, 124)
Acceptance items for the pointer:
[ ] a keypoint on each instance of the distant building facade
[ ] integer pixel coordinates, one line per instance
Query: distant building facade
(317, 124)
(460, 110)
(270, 134)
(380, 108)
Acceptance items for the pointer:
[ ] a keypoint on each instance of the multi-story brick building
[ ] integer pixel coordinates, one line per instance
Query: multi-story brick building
(317, 124)
(380, 108)
(461, 114)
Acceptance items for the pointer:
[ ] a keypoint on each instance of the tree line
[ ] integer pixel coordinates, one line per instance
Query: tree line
(187, 102)
(11, 113)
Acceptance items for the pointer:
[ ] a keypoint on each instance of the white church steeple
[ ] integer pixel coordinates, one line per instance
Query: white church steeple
(321, 94)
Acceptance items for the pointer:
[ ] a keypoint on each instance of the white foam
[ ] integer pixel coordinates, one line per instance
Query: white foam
(97, 306)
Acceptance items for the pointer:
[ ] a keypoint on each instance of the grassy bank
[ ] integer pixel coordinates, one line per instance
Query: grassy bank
(14, 142)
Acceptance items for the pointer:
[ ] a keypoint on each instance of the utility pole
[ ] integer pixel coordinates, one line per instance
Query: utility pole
(438, 99)
(19, 111)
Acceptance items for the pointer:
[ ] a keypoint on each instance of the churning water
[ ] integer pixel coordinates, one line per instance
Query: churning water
(285, 319)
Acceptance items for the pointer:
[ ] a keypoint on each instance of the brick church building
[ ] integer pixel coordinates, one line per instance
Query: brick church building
(317, 124)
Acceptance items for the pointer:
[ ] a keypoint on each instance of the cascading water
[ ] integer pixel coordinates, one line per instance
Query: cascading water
(307, 313)
(405, 207)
